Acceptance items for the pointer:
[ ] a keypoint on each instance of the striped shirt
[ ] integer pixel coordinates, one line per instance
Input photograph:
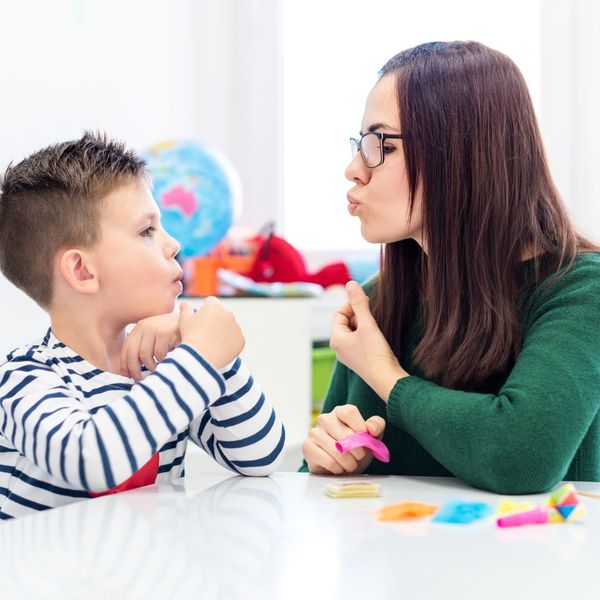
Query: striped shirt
(68, 428)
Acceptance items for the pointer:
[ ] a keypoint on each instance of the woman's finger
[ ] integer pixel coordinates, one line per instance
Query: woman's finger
(337, 431)
(320, 462)
(326, 443)
(350, 416)
(376, 426)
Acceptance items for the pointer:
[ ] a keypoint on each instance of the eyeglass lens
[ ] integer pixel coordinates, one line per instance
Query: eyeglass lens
(370, 145)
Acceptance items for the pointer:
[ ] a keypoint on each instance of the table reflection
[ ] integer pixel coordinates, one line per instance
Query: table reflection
(156, 542)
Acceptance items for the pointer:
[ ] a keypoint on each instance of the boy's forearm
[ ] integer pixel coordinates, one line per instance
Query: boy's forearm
(45, 421)
(241, 430)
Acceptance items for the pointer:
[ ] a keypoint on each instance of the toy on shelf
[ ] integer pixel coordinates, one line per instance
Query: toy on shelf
(266, 258)
(237, 283)
(201, 272)
(278, 260)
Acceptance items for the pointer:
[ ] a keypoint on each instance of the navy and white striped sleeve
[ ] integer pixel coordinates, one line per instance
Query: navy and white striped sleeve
(241, 429)
(43, 418)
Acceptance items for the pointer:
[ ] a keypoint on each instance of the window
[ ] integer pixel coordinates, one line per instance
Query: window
(332, 52)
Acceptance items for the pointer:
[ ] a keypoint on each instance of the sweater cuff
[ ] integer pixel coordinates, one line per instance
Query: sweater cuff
(405, 396)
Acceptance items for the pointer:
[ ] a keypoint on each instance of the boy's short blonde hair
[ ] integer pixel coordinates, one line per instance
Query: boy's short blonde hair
(51, 200)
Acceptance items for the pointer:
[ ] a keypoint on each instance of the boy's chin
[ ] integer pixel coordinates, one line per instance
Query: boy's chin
(169, 305)
(154, 311)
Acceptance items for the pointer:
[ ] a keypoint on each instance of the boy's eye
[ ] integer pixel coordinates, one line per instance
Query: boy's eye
(148, 231)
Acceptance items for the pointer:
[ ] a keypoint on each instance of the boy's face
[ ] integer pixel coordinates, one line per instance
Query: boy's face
(135, 258)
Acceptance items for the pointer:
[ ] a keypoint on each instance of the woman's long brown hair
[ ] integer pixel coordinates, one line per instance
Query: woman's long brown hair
(473, 150)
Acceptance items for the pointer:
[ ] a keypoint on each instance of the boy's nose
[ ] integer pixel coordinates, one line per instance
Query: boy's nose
(172, 247)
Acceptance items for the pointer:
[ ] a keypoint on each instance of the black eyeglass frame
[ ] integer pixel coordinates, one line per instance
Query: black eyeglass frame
(382, 137)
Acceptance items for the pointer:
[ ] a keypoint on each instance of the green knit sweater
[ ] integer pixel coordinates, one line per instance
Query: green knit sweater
(522, 432)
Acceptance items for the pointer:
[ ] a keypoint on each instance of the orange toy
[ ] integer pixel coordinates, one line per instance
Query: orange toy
(406, 511)
(201, 271)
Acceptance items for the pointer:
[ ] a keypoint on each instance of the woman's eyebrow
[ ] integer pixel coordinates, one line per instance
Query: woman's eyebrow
(376, 126)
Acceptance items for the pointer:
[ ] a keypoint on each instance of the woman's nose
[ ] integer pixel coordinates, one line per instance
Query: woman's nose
(356, 171)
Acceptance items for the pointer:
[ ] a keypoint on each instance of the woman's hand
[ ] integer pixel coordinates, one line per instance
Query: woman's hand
(319, 448)
(360, 345)
(148, 343)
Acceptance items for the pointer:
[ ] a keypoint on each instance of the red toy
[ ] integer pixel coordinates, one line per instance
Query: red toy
(278, 260)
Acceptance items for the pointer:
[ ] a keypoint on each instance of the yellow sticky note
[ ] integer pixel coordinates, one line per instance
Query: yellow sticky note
(353, 489)
(507, 506)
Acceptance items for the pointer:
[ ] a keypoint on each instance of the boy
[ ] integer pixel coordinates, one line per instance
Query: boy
(80, 233)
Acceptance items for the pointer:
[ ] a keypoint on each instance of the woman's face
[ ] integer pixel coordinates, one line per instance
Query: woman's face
(380, 196)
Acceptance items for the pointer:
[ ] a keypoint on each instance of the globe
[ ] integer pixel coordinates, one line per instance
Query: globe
(198, 192)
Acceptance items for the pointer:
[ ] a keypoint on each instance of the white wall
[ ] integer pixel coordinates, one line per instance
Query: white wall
(570, 100)
(326, 83)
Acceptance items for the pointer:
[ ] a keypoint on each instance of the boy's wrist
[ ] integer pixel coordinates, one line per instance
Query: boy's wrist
(205, 362)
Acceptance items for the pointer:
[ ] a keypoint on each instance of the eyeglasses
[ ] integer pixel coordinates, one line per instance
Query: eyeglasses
(371, 148)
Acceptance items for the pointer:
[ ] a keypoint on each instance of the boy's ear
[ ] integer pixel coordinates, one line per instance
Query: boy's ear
(77, 269)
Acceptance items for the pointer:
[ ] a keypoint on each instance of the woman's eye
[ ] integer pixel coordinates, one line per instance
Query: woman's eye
(148, 232)
(388, 149)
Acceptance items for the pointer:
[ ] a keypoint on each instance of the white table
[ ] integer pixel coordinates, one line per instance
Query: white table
(282, 538)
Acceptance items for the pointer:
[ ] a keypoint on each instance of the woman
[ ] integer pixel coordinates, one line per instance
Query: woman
(477, 351)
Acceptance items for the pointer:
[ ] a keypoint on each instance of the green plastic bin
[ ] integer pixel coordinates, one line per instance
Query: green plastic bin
(323, 360)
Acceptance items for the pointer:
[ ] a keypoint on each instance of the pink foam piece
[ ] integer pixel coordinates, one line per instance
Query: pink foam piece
(536, 515)
(363, 439)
